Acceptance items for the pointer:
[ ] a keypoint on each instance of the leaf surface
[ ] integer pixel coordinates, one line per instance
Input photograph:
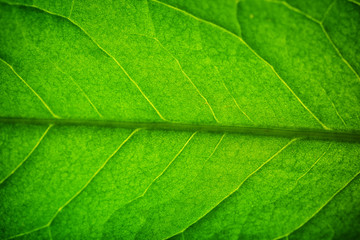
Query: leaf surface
(179, 119)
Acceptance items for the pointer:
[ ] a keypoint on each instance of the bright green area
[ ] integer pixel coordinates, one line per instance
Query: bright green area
(262, 64)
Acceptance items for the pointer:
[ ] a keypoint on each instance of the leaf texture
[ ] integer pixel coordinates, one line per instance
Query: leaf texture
(134, 119)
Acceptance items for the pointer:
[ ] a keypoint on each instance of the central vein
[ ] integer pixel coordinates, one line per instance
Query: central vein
(350, 136)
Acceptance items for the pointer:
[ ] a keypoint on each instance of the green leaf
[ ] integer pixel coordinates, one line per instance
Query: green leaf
(135, 119)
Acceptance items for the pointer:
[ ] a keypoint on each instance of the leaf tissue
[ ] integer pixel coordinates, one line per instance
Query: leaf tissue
(180, 119)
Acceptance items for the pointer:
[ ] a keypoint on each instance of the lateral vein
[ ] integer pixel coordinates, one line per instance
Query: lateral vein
(321, 23)
(28, 155)
(338, 52)
(236, 189)
(32, 90)
(188, 78)
(355, 2)
(28, 232)
(63, 72)
(320, 208)
(254, 52)
(232, 96)
(316, 161)
(99, 46)
(92, 177)
(163, 171)
(80, 190)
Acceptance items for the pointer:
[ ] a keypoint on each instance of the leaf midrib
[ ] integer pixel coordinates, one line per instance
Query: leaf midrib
(307, 133)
